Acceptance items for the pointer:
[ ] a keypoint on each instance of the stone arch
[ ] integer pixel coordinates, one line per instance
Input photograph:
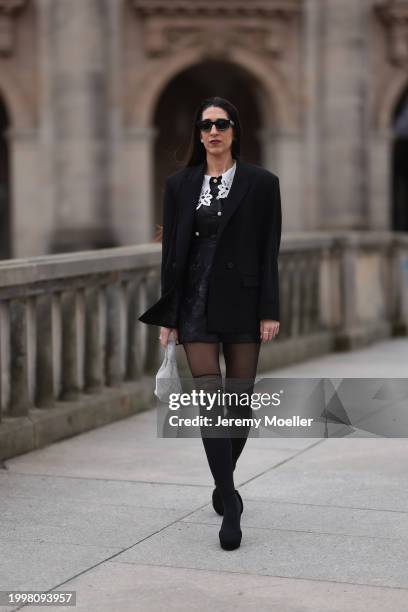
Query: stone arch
(391, 95)
(21, 116)
(273, 88)
(399, 166)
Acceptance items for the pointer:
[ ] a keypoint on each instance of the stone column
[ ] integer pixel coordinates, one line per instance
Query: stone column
(132, 154)
(310, 168)
(29, 219)
(343, 201)
(79, 32)
(134, 211)
(282, 154)
(47, 142)
(381, 180)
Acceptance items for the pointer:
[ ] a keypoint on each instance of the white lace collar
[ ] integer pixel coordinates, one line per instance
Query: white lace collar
(224, 186)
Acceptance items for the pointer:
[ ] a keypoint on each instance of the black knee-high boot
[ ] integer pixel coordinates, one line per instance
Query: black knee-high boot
(239, 407)
(238, 394)
(216, 440)
(218, 448)
(219, 456)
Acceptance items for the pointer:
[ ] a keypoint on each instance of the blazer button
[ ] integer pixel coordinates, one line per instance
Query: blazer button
(173, 264)
(230, 264)
(197, 233)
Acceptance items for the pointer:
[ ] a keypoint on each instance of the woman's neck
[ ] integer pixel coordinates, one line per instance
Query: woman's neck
(217, 166)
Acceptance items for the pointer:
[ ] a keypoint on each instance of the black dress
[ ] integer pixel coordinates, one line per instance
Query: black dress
(192, 320)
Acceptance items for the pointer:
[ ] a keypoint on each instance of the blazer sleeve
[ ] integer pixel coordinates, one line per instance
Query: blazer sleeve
(169, 220)
(269, 295)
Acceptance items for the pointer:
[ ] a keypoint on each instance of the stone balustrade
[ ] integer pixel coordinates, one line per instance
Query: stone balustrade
(74, 356)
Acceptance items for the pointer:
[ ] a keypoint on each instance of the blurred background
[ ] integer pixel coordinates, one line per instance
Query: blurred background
(97, 99)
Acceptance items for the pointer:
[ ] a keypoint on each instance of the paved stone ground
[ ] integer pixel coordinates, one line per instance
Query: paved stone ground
(124, 518)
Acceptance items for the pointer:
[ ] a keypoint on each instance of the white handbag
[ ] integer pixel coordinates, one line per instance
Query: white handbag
(167, 377)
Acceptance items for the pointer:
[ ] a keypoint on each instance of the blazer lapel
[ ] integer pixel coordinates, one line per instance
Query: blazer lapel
(188, 195)
(235, 196)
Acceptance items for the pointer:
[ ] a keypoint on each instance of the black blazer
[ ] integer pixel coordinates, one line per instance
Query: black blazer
(244, 280)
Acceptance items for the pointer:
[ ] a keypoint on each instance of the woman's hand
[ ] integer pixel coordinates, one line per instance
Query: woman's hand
(165, 333)
(269, 329)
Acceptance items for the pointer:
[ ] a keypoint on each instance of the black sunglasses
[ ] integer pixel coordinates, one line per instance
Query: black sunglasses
(205, 125)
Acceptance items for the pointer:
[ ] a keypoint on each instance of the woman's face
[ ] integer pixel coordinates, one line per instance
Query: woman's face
(216, 142)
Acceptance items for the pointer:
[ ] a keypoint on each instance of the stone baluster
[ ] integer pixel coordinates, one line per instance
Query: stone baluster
(295, 271)
(312, 292)
(134, 354)
(72, 343)
(153, 346)
(95, 339)
(303, 280)
(306, 300)
(48, 345)
(20, 352)
(348, 293)
(116, 333)
(316, 262)
(284, 298)
(4, 358)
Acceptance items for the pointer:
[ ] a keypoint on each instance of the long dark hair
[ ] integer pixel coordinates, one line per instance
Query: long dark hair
(196, 152)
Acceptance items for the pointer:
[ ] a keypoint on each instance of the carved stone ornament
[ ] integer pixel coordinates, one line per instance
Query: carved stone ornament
(170, 25)
(8, 10)
(394, 16)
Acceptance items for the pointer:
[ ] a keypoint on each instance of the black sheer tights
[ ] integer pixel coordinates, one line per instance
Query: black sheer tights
(223, 446)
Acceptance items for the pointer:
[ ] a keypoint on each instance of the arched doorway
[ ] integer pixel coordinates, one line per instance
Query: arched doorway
(400, 166)
(5, 246)
(174, 116)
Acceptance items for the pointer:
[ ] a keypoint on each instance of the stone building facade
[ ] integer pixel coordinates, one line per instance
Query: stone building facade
(97, 98)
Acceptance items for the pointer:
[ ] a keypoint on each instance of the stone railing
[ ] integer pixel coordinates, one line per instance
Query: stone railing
(74, 356)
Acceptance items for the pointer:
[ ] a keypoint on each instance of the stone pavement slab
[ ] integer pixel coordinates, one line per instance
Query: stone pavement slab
(276, 552)
(385, 359)
(125, 587)
(39, 565)
(313, 518)
(356, 473)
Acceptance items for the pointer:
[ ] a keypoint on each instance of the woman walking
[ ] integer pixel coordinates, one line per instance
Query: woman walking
(219, 281)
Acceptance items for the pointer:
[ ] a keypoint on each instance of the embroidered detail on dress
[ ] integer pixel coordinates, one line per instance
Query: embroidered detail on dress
(205, 198)
(223, 189)
(224, 186)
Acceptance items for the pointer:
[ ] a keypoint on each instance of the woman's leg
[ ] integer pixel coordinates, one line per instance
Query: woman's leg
(203, 361)
(241, 362)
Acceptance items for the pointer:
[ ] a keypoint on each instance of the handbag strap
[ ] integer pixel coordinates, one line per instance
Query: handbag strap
(171, 349)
